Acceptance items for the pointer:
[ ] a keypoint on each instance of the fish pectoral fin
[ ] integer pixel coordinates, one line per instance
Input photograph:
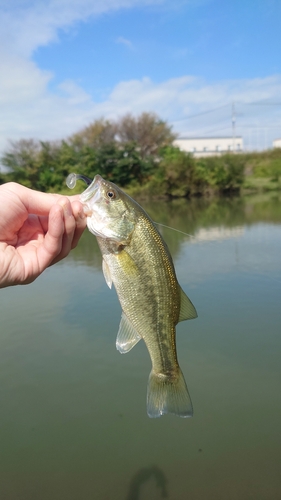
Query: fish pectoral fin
(106, 273)
(127, 336)
(187, 310)
(127, 263)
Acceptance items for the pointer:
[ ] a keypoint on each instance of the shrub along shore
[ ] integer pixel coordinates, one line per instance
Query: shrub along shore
(138, 154)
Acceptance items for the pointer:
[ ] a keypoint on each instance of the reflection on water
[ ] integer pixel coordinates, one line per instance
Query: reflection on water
(199, 218)
(142, 477)
(73, 420)
(217, 233)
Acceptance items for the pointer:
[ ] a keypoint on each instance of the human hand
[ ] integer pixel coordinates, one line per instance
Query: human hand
(36, 231)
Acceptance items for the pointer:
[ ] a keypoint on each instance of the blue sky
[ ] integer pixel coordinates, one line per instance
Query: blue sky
(64, 63)
(212, 39)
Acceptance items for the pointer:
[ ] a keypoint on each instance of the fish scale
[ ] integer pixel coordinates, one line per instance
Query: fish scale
(137, 261)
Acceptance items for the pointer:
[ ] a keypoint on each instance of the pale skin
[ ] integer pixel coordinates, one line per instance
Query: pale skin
(36, 230)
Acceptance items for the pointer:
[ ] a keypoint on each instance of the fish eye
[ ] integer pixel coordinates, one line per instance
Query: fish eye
(111, 194)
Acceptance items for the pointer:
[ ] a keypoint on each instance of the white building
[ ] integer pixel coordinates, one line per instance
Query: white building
(277, 143)
(209, 146)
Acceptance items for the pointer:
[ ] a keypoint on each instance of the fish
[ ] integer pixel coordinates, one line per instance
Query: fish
(136, 259)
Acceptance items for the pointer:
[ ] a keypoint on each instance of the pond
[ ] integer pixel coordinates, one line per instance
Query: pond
(73, 422)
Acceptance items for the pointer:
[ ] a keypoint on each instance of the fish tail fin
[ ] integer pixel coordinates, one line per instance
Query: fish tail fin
(168, 394)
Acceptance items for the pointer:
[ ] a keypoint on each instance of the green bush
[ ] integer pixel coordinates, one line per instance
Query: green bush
(222, 173)
(177, 172)
(137, 153)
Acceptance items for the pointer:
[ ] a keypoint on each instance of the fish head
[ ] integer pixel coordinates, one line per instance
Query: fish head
(108, 211)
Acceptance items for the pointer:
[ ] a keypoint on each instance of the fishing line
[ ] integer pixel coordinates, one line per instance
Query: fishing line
(71, 183)
(248, 270)
(174, 229)
(240, 267)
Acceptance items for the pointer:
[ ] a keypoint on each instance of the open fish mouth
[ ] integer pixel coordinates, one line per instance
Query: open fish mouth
(92, 192)
(92, 200)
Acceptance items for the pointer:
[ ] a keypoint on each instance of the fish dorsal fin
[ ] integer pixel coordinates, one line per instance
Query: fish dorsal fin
(187, 310)
(127, 336)
(106, 273)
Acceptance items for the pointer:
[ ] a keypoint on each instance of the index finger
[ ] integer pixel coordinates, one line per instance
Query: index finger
(36, 202)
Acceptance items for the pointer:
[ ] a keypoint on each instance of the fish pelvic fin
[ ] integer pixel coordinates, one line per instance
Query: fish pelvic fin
(168, 394)
(187, 310)
(127, 336)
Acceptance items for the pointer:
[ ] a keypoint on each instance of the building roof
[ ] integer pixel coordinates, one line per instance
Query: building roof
(211, 137)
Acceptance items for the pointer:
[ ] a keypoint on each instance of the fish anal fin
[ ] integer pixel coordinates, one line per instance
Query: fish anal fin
(127, 336)
(168, 394)
(106, 273)
(187, 310)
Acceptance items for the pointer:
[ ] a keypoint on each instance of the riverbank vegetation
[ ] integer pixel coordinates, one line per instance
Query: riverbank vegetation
(138, 154)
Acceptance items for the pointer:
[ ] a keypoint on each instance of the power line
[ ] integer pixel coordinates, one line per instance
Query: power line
(219, 123)
(261, 103)
(259, 126)
(200, 114)
(255, 103)
(213, 131)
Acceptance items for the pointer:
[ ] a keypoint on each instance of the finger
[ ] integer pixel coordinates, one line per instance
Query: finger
(36, 202)
(69, 228)
(63, 227)
(52, 244)
(80, 218)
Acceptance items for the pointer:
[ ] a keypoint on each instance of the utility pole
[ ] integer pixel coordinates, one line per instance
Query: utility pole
(233, 117)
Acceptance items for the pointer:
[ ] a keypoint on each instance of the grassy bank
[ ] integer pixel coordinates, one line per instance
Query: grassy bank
(247, 173)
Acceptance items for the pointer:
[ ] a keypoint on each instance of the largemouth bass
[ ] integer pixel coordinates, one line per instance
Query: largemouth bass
(137, 261)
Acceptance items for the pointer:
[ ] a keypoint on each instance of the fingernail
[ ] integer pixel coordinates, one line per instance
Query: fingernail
(81, 215)
(66, 208)
(87, 212)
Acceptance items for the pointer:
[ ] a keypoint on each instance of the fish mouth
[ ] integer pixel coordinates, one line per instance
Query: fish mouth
(92, 191)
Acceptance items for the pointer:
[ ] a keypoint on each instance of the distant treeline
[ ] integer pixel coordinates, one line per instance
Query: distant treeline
(138, 154)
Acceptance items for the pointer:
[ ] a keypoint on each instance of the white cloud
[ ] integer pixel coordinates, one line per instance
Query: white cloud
(178, 98)
(21, 80)
(75, 94)
(29, 108)
(124, 41)
(26, 25)
(34, 111)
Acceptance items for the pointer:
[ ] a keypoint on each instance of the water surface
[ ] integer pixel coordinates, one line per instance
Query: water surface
(73, 421)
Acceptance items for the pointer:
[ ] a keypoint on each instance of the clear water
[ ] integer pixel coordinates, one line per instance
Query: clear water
(73, 421)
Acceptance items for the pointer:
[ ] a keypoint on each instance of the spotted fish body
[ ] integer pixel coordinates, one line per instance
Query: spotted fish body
(137, 261)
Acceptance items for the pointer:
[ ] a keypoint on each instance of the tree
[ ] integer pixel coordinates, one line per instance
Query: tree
(122, 163)
(47, 163)
(148, 131)
(125, 151)
(39, 165)
(96, 135)
(222, 173)
(21, 161)
(177, 170)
